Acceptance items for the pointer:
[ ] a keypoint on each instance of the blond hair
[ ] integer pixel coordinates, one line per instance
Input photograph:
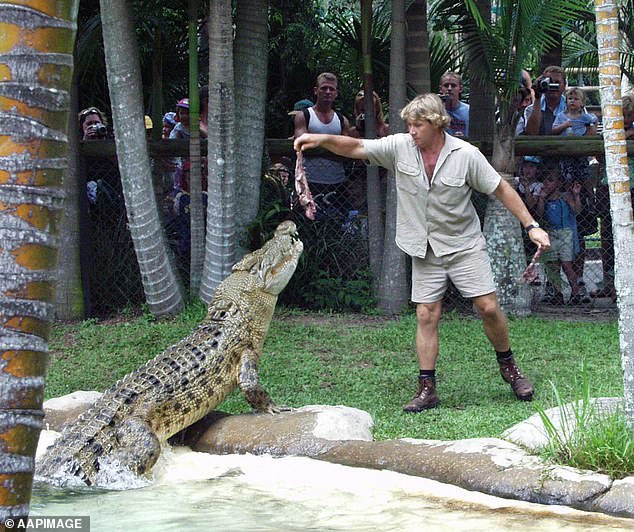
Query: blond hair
(426, 107)
(451, 74)
(575, 91)
(326, 76)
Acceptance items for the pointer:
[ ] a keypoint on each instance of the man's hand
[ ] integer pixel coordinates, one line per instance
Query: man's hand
(306, 141)
(540, 237)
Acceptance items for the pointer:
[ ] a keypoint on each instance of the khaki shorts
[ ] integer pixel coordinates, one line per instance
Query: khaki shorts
(469, 271)
(561, 246)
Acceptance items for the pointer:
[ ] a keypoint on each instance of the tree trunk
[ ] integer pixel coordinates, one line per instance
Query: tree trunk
(417, 47)
(482, 93)
(160, 284)
(394, 287)
(376, 223)
(69, 296)
(196, 213)
(619, 186)
(250, 64)
(503, 233)
(36, 46)
(221, 207)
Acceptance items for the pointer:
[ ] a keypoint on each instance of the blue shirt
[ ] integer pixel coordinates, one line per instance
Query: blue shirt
(579, 125)
(459, 119)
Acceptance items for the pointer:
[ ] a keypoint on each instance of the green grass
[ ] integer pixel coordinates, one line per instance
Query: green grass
(588, 438)
(367, 364)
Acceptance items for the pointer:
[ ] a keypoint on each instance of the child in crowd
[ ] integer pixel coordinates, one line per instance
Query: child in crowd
(181, 129)
(577, 122)
(528, 187)
(169, 121)
(557, 208)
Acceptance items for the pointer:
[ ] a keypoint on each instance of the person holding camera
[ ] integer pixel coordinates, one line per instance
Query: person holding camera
(358, 131)
(549, 101)
(450, 90)
(93, 124)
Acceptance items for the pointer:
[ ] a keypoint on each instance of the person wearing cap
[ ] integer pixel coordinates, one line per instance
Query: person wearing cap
(169, 121)
(181, 129)
(325, 174)
(526, 183)
(298, 108)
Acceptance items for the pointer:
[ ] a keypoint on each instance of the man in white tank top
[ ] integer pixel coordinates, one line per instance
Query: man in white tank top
(324, 174)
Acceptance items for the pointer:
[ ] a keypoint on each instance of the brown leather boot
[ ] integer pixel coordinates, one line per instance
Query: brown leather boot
(425, 398)
(521, 386)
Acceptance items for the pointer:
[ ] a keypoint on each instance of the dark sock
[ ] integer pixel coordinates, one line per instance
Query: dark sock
(427, 373)
(504, 356)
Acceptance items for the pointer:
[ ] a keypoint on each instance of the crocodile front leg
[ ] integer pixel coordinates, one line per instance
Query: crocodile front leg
(249, 384)
(139, 446)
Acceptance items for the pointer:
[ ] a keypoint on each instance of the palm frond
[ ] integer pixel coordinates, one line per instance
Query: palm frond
(519, 31)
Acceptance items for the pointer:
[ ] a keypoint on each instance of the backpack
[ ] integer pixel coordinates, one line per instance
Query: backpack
(338, 113)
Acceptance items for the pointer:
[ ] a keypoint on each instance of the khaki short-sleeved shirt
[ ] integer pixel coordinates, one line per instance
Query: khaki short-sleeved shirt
(439, 213)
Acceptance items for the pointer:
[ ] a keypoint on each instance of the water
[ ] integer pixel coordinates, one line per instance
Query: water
(197, 491)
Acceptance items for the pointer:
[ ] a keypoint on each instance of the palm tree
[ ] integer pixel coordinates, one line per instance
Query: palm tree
(160, 283)
(619, 186)
(418, 59)
(196, 214)
(393, 287)
(521, 31)
(34, 107)
(69, 296)
(580, 42)
(221, 217)
(250, 67)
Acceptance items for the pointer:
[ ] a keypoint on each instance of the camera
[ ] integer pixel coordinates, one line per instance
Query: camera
(545, 84)
(98, 130)
(444, 97)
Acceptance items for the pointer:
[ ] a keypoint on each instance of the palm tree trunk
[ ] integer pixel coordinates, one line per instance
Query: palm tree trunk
(394, 285)
(250, 66)
(221, 206)
(376, 223)
(619, 186)
(69, 296)
(36, 58)
(160, 284)
(504, 233)
(482, 93)
(417, 47)
(196, 213)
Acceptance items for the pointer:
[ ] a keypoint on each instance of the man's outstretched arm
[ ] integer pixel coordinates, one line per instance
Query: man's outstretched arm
(337, 144)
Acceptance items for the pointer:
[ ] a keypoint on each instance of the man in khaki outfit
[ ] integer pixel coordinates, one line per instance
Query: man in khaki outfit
(438, 227)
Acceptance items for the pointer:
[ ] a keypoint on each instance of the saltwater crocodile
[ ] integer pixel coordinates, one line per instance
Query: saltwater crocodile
(181, 385)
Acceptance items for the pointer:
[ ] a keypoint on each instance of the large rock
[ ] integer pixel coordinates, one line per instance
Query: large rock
(532, 433)
(306, 431)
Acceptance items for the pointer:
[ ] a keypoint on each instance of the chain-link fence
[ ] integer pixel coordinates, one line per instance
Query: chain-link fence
(334, 271)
